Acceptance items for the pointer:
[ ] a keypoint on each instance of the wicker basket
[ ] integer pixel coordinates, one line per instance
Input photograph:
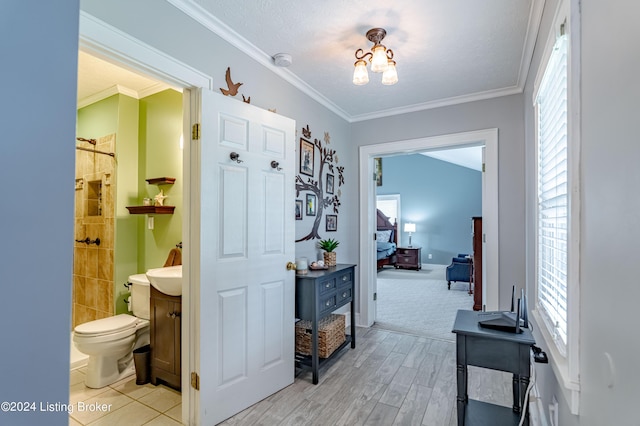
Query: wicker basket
(330, 258)
(330, 336)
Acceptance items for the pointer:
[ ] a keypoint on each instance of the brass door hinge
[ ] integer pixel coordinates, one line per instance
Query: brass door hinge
(195, 132)
(195, 380)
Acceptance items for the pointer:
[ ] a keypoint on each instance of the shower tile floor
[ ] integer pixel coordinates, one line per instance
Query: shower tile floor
(129, 404)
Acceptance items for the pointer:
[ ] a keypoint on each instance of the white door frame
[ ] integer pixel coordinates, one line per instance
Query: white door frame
(105, 41)
(488, 138)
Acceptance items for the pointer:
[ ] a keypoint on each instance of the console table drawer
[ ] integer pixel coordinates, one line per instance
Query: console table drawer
(344, 278)
(326, 286)
(343, 295)
(327, 304)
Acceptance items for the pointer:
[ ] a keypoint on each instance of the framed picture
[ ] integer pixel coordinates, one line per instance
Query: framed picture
(306, 157)
(299, 209)
(329, 186)
(377, 163)
(332, 222)
(311, 205)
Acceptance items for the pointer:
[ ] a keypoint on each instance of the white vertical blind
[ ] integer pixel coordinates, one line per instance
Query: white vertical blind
(553, 191)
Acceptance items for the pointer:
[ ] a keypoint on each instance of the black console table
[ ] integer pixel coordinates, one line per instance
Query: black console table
(498, 350)
(318, 294)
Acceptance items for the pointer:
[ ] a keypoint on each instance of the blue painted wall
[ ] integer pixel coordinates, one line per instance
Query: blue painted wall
(439, 197)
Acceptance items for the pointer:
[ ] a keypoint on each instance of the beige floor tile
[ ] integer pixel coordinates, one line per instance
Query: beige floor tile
(79, 392)
(93, 408)
(163, 420)
(128, 387)
(133, 414)
(76, 377)
(162, 399)
(175, 413)
(73, 422)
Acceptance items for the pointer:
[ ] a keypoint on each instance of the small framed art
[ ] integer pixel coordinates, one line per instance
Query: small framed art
(332, 222)
(311, 205)
(306, 157)
(377, 163)
(299, 209)
(329, 186)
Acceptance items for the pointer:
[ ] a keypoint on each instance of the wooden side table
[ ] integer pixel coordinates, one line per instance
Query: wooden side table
(409, 258)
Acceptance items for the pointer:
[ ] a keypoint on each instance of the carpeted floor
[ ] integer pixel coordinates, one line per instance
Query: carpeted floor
(418, 302)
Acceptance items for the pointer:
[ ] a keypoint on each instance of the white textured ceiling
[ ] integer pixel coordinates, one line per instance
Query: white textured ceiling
(98, 79)
(447, 51)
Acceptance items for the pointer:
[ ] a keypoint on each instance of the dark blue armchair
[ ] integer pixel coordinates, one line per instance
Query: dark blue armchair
(459, 270)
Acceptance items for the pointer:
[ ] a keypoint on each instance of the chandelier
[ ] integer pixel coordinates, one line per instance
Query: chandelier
(380, 57)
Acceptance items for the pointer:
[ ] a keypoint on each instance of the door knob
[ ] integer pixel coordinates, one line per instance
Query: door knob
(291, 266)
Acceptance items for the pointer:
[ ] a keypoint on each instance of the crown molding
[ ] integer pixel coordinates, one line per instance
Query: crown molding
(489, 94)
(533, 27)
(119, 89)
(219, 28)
(225, 32)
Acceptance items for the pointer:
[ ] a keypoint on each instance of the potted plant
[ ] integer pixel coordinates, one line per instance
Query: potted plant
(329, 245)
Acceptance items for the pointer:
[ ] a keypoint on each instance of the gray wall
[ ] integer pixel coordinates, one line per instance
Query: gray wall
(39, 45)
(172, 32)
(610, 176)
(503, 113)
(610, 206)
(439, 197)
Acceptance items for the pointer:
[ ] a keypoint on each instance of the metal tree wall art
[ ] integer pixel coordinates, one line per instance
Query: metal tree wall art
(327, 198)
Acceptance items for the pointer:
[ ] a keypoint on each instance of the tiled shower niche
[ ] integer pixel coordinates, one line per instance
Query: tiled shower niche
(93, 270)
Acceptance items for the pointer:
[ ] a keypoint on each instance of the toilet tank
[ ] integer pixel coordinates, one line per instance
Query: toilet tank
(140, 295)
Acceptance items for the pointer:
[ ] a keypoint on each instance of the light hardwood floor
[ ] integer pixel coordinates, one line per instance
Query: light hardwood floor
(390, 378)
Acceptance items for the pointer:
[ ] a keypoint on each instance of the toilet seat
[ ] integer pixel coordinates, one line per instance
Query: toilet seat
(106, 326)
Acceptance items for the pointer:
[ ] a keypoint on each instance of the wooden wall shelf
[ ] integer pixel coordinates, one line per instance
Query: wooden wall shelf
(151, 209)
(161, 181)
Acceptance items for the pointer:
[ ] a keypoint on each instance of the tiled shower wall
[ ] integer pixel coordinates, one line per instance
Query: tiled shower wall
(93, 272)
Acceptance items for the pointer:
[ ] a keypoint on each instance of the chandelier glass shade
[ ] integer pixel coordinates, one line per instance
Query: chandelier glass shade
(380, 57)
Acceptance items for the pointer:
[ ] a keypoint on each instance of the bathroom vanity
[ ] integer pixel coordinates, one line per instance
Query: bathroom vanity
(165, 338)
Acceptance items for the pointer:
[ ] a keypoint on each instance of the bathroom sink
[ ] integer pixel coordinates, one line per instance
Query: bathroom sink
(167, 280)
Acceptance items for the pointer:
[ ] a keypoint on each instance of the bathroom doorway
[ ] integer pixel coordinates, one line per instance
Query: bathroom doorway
(129, 129)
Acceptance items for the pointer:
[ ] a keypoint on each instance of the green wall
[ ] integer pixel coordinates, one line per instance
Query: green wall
(159, 134)
(147, 146)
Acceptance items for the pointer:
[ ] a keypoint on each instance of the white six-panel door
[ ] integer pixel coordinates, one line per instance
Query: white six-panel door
(247, 237)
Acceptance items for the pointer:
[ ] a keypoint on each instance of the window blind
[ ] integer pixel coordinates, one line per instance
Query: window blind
(553, 191)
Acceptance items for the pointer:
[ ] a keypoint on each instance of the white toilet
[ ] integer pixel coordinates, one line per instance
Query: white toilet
(110, 342)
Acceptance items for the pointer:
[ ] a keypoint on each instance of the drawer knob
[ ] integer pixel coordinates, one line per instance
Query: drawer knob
(327, 285)
(344, 294)
(328, 303)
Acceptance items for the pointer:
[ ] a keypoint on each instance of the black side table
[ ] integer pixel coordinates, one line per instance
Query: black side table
(498, 350)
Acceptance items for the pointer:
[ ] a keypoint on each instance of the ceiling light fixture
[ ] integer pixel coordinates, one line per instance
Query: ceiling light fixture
(380, 57)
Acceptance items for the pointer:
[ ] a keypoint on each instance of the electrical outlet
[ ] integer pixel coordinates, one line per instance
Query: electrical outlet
(430, 256)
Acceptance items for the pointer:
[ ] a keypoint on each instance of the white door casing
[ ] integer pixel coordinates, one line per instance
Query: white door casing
(488, 138)
(246, 233)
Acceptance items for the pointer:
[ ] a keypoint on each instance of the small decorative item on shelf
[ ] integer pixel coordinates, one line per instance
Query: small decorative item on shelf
(302, 266)
(159, 199)
(329, 245)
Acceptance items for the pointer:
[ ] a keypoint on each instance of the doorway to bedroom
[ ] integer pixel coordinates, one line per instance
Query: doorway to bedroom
(427, 199)
(488, 139)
